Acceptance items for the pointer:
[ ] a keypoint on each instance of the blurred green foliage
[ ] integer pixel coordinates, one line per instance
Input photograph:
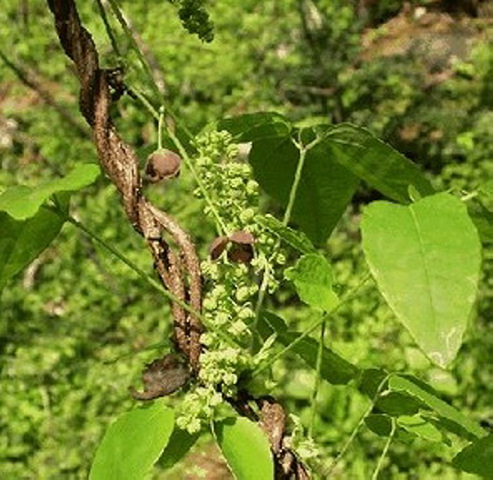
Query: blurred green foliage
(66, 321)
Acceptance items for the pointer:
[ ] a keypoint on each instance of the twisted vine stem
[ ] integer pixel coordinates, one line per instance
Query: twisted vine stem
(178, 270)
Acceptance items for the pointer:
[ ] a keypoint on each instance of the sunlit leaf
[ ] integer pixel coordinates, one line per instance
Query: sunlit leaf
(246, 449)
(426, 259)
(22, 241)
(375, 162)
(421, 427)
(313, 278)
(133, 443)
(22, 202)
(256, 126)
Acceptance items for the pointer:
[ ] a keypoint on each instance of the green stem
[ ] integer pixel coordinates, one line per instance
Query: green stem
(304, 149)
(160, 129)
(286, 349)
(294, 186)
(470, 196)
(220, 226)
(109, 30)
(287, 217)
(159, 116)
(357, 428)
(128, 33)
(317, 377)
(151, 281)
(121, 19)
(384, 452)
(143, 99)
(311, 328)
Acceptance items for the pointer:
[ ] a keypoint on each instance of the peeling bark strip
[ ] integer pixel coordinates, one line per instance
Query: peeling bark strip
(122, 167)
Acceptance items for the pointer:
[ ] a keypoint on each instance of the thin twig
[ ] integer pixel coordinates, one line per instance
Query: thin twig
(357, 428)
(317, 378)
(384, 451)
(109, 30)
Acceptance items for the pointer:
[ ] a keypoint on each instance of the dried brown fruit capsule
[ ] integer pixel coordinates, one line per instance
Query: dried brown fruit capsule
(242, 237)
(163, 377)
(218, 246)
(242, 250)
(240, 253)
(162, 165)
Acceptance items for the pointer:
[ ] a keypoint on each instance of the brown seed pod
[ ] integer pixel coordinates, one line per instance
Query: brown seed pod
(242, 237)
(163, 377)
(240, 253)
(217, 247)
(162, 165)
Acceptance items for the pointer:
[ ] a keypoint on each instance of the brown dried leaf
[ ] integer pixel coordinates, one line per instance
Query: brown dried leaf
(163, 377)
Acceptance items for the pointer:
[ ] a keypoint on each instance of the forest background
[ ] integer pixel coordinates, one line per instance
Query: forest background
(74, 326)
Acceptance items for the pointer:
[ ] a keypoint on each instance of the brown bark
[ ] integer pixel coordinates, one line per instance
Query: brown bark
(122, 167)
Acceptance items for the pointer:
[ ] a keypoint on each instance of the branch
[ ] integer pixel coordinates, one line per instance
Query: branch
(120, 163)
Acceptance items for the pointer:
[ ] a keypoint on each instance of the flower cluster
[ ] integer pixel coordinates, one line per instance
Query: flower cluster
(229, 182)
(232, 201)
(235, 196)
(303, 443)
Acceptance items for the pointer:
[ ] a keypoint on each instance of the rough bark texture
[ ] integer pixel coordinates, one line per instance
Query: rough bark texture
(179, 271)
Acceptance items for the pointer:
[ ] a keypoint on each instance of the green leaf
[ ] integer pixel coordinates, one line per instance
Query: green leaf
(390, 403)
(319, 123)
(396, 404)
(379, 423)
(324, 191)
(294, 238)
(246, 449)
(424, 393)
(22, 242)
(421, 427)
(313, 278)
(334, 369)
(375, 162)
(22, 202)
(133, 443)
(178, 446)
(256, 126)
(426, 259)
(483, 220)
(370, 381)
(477, 458)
